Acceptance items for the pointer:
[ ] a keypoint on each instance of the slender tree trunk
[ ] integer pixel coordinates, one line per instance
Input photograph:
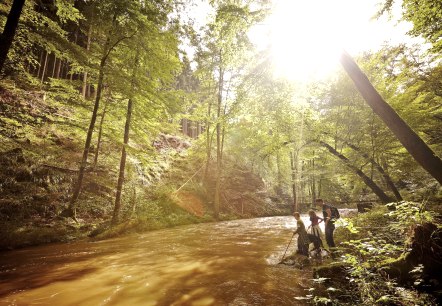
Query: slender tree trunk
(278, 168)
(58, 69)
(208, 140)
(65, 70)
(134, 202)
(117, 207)
(87, 143)
(40, 64)
(9, 30)
(293, 168)
(218, 146)
(88, 47)
(54, 66)
(198, 129)
(45, 65)
(313, 181)
(301, 183)
(409, 139)
(378, 167)
(100, 133)
(77, 189)
(185, 124)
(369, 182)
(71, 78)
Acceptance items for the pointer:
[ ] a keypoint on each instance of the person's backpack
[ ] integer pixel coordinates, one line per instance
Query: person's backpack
(334, 213)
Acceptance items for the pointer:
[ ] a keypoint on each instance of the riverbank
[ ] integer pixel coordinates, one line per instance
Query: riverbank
(42, 134)
(15, 235)
(384, 258)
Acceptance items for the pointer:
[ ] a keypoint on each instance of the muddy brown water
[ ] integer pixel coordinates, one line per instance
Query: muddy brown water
(226, 263)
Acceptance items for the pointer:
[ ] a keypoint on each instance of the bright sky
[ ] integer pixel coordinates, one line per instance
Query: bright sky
(306, 36)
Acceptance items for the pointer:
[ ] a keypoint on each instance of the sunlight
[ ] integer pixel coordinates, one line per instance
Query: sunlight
(306, 37)
(301, 43)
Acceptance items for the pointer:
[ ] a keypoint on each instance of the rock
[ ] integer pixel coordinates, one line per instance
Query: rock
(363, 207)
(297, 260)
(425, 249)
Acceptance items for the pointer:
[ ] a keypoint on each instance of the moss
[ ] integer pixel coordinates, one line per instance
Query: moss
(17, 235)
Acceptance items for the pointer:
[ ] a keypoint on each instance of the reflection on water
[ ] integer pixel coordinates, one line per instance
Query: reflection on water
(227, 263)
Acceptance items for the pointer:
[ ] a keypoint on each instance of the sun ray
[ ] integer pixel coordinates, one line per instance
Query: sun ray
(306, 37)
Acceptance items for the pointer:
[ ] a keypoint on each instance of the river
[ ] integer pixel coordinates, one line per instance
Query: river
(225, 263)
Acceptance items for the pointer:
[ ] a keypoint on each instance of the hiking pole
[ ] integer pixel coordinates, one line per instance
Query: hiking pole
(287, 247)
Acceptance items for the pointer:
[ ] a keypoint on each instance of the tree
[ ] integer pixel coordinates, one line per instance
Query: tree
(369, 182)
(148, 67)
(226, 44)
(378, 167)
(410, 140)
(117, 25)
(426, 17)
(9, 30)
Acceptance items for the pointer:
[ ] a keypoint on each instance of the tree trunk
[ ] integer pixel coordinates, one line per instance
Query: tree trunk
(88, 47)
(381, 170)
(185, 125)
(117, 206)
(66, 69)
(208, 140)
(313, 181)
(376, 165)
(301, 183)
(87, 143)
(45, 65)
(40, 64)
(369, 182)
(9, 30)
(278, 167)
(54, 64)
(77, 189)
(293, 168)
(134, 201)
(198, 129)
(409, 139)
(71, 78)
(218, 146)
(100, 133)
(58, 69)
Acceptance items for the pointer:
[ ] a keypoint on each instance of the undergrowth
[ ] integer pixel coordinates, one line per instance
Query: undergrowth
(369, 243)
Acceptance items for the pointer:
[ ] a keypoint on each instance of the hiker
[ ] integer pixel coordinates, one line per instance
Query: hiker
(303, 240)
(315, 220)
(330, 215)
(317, 245)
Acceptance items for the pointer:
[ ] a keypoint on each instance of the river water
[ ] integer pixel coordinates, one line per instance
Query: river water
(226, 263)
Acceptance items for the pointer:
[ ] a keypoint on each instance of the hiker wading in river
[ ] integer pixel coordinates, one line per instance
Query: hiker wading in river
(329, 222)
(303, 240)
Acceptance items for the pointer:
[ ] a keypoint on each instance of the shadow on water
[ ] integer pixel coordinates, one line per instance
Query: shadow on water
(227, 263)
(30, 268)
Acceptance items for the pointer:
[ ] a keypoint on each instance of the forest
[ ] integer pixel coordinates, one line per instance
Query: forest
(129, 117)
